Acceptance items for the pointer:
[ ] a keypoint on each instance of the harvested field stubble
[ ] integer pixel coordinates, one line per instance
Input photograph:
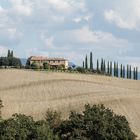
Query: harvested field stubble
(32, 93)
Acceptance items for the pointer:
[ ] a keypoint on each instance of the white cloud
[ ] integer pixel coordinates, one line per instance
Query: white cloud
(59, 11)
(35, 15)
(9, 32)
(124, 14)
(23, 7)
(83, 18)
(114, 17)
(67, 6)
(9, 36)
(59, 5)
(49, 42)
(133, 61)
(87, 36)
(4, 20)
(80, 41)
(3, 51)
(2, 11)
(69, 25)
(36, 52)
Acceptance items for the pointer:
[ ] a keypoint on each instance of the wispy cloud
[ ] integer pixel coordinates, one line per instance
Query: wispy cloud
(70, 28)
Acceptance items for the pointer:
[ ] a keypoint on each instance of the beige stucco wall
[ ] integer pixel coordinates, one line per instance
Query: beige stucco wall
(66, 64)
(51, 62)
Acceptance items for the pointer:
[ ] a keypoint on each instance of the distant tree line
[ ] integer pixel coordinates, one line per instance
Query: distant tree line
(10, 61)
(95, 123)
(110, 68)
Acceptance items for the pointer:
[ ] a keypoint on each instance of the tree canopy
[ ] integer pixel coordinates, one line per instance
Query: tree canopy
(10, 60)
(95, 123)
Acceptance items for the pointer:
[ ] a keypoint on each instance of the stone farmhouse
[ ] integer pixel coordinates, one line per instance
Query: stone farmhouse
(53, 62)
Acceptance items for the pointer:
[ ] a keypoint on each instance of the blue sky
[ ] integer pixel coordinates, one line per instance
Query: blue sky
(72, 28)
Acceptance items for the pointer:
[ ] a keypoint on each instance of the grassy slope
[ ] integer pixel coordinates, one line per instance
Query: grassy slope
(32, 93)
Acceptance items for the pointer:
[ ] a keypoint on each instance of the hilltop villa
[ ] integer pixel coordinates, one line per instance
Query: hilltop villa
(54, 62)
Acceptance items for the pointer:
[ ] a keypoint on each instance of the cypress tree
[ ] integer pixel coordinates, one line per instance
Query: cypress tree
(108, 68)
(86, 62)
(102, 65)
(83, 64)
(127, 71)
(136, 73)
(91, 61)
(130, 73)
(97, 65)
(9, 53)
(121, 71)
(111, 68)
(114, 69)
(117, 70)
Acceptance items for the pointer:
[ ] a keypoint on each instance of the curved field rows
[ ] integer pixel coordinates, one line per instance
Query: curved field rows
(32, 93)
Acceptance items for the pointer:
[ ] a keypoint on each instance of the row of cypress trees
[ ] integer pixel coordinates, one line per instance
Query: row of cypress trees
(108, 68)
(10, 54)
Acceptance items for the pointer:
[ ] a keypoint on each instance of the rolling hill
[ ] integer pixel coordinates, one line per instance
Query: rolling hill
(32, 93)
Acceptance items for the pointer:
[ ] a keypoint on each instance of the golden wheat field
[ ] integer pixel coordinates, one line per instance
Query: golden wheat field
(32, 93)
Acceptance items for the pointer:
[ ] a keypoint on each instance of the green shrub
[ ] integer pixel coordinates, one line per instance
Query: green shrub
(43, 131)
(4, 61)
(70, 68)
(1, 106)
(14, 62)
(10, 61)
(53, 119)
(35, 66)
(46, 66)
(61, 67)
(96, 123)
(21, 127)
(81, 70)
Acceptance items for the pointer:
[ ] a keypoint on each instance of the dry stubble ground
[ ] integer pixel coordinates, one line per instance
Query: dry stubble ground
(32, 93)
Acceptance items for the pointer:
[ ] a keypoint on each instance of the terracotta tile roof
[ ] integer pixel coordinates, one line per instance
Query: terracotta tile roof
(37, 58)
(56, 59)
(33, 58)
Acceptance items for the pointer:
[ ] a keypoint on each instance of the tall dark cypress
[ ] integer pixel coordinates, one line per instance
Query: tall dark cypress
(130, 73)
(97, 65)
(9, 53)
(108, 68)
(134, 74)
(111, 68)
(102, 65)
(127, 71)
(91, 61)
(115, 69)
(121, 71)
(86, 62)
(83, 64)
